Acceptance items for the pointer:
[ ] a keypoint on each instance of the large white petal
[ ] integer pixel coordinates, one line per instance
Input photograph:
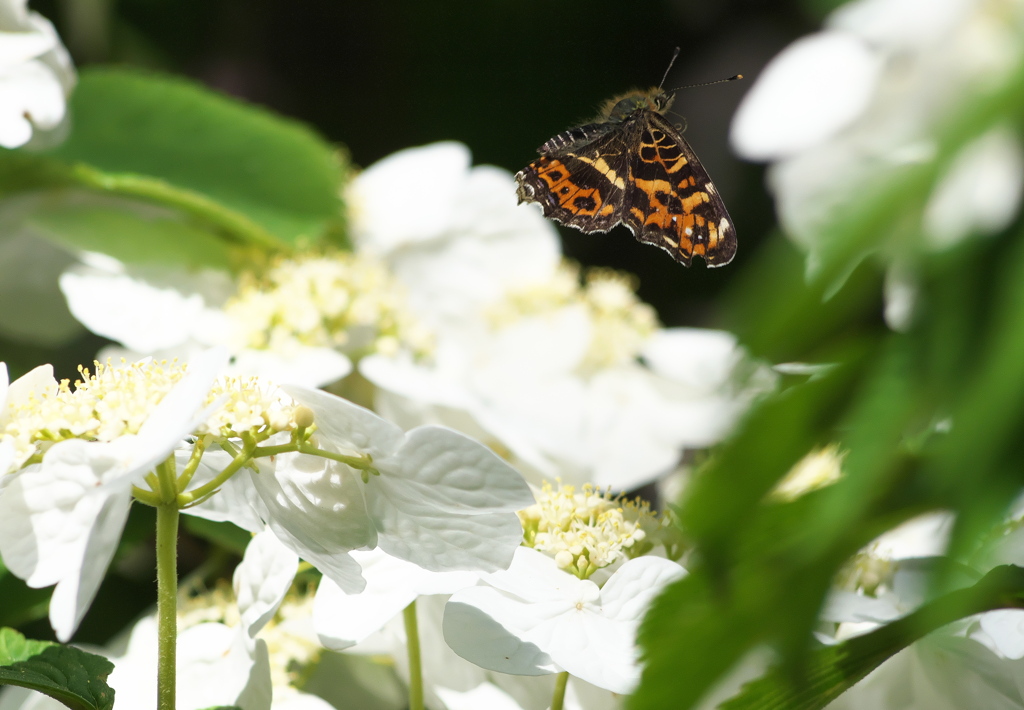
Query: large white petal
(60, 522)
(262, 580)
(143, 314)
(809, 92)
(436, 172)
(316, 508)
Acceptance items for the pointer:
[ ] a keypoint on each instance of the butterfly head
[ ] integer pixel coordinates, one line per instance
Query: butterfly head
(622, 107)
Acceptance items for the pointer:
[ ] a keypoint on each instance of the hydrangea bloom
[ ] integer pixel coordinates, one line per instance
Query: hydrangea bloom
(560, 609)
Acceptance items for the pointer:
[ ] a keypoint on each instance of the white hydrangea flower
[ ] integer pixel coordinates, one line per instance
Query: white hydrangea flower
(536, 619)
(574, 595)
(839, 110)
(343, 620)
(574, 380)
(459, 239)
(36, 74)
(888, 578)
(61, 514)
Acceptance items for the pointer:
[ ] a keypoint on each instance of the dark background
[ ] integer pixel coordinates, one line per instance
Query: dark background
(500, 76)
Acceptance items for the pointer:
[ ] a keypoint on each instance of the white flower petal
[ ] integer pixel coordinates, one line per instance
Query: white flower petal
(141, 313)
(60, 522)
(472, 630)
(446, 502)
(348, 425)
(484, 695)
(536, 618)
(315, 507)
(237, 501)
(262, 580)
(810, 91)
(19, 47)
(343, 620)
(900, 24)
(697, 357)
(377, 226)
(30, 95)
(631, 589)
(308, 367)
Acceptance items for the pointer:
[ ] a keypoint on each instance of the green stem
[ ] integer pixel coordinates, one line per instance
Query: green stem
(361, 462)
(412, 635)
(242, 457)
(233, 223)
(558, 697)
(166, 602)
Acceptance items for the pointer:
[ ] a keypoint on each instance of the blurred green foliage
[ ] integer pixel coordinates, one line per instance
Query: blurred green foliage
(763, 568)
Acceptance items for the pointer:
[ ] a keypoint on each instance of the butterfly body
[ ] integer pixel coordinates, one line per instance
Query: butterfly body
(631, 166)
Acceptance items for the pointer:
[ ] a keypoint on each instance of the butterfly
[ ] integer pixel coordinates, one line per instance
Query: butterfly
(632, 166)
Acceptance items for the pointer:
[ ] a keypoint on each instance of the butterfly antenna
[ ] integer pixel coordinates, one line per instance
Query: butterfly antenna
(706, 83)
(671, 61)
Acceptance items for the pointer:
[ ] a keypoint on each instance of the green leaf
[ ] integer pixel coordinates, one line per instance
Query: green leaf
(130, 232)
(21, 603)
(835, 669)
(275, 172)
(75, 678)
(763, 567)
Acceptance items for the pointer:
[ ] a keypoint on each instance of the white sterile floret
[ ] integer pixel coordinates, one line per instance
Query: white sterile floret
(585, 530)
(459, 240)
(847, 111)
(536, 619)
(887, 578)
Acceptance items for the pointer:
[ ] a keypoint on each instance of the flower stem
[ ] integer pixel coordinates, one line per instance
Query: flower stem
(412, 635)
(235, 224)
(166, 602)
(558, 697)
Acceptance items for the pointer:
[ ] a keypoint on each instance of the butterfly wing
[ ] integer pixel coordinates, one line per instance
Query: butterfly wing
(670, 201)
(580, 178)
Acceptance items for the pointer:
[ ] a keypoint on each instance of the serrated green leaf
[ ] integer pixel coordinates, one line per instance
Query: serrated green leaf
(276, 172)
(75, 678)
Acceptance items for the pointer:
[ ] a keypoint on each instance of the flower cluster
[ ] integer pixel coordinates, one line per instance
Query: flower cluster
(345, 301)
(588, 529)
(621, 322)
